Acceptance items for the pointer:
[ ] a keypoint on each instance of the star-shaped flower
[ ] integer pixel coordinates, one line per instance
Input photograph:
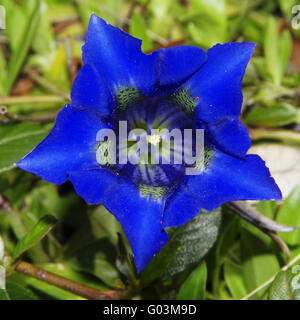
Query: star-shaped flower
(177, 88)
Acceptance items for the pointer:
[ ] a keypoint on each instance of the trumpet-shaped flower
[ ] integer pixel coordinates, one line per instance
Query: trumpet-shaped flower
(180, 88)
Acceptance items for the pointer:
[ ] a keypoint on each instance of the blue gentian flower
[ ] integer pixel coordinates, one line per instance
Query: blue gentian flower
(180, 87)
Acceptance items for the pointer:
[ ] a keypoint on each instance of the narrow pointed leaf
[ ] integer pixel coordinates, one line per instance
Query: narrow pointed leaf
(39, 231)
(16, 141)
(195, 285)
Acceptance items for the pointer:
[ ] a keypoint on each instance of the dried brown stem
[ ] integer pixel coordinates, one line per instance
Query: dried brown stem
(31, 99)
(145, 7)
(132, 7)
(281, 244)
(68, 285)
(278, 134)
(40, 118)
(33, 75)
(263, 223)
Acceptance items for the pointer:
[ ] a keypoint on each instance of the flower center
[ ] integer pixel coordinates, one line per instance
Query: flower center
(151, 137)
(149, 122)
(154, 139)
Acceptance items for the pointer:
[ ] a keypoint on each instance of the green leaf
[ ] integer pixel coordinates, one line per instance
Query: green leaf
(3, 73)
(159, 263)
(277, 49)
(285, 50)
(256, 255)
(15, 291)
(108, 10)
(194, 286)
(2, 265)
(57, 72)
(260, 65)
(197, 237)
(20, 53)
(233, 274)
(286, 7)
(16, 20)
(250, 29)
(227, 238)
(207, 22)
(289, 214)
(138, 29)
(271, 45)
(1, 248)
(45, 198)
(43, 41)
(97, 258)
(277, 115)
(16, 141)
(161, 21)
(124, 261)
(267, 208)
(286, 285)
(39, 231)
(4, 295)
(105, 224)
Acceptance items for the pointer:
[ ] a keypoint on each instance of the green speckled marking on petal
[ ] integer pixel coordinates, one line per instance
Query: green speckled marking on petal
(128, 96)
(156, 193)
(208, 154)
(184, 100)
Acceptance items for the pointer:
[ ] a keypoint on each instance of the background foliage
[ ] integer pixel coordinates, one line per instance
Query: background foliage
(51, 227)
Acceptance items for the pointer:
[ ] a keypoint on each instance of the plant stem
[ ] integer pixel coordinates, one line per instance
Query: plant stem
(286, 135)
(40, 118)
(44, 83)
(69, 285)
(263, 223)
(132, 7)
(245, 211)
(31, 99)
(280, 243)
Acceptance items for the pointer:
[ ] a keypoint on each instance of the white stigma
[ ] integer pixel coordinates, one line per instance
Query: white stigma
(154, 139)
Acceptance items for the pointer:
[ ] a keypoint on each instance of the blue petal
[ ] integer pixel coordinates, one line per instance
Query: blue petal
(230, 136)
(181, 206)
(71, 145)
(218, 84)
(218, 88)
(177, 64)
(140, 217)
(225, 179)
(93, 184)
(118, 57)
(89, 91)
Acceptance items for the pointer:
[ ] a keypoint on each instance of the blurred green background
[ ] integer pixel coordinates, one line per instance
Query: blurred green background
(40, 54)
